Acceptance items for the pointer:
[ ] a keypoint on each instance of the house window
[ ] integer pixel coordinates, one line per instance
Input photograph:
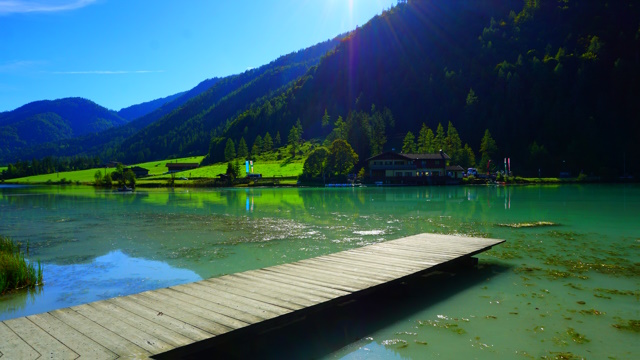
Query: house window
(408, 173)
(398, 173)
(437, 162)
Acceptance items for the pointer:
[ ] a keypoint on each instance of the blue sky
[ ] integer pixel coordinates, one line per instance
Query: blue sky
(123, 52)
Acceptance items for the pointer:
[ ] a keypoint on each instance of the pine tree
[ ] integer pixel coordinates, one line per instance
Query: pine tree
(409, 144)
(243, 150)
(326, 119)
(300, 131)
(425, 140)
(293, 140)
(488, 149)
(277, 141)
(267, 143)
(257, 146)
(440, 138)
(467, 157)
(229, 150)
(453, 144)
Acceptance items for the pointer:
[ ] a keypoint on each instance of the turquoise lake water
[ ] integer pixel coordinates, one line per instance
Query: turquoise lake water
(552, 291)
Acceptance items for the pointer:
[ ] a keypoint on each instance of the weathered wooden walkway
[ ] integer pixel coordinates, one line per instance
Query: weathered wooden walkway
(186, 316)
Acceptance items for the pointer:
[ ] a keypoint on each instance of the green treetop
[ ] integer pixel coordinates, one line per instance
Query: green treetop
(229, 150)
(409, 143)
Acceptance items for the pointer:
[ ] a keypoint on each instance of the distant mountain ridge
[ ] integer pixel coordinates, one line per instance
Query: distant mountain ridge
(50, 120)
(135, 111)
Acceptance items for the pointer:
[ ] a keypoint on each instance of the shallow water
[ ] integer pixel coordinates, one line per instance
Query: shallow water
(571, 288)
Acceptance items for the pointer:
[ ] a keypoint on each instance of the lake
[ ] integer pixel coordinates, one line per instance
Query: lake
(568, 286)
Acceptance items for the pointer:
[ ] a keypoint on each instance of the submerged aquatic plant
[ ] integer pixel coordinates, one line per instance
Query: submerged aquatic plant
(564, 356)
(397, 343)
(577, 337)
(15, 271)
(529, 224)
(628, 325)
(453, 327)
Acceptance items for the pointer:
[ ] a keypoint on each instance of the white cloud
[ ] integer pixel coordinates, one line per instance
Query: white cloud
(107, 72)
(25, 6)
(15, 66)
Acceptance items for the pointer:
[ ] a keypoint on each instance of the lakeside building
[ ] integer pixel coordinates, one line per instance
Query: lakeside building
(139, 172)
(392, 167)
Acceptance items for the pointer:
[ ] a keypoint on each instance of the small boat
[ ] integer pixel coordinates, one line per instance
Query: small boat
(125, 189)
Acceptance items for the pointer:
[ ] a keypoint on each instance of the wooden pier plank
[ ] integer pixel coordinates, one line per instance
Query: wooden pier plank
(297, 282)
(188, 313)
(159, 332)
(234, 314)
(259, 294)
(161, 319)
(14, 347)
(375, 261)
(40, 340)
(198, 307)
(369, 266)
(138, 337)
(72, 338)
(156, 321)
(110, 340)
(242, 303)
(346, 270)
(335, 275)
(321, 280)
(298, 296)
(390, 258)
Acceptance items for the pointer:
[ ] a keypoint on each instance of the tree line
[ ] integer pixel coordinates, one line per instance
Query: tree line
(49, 165)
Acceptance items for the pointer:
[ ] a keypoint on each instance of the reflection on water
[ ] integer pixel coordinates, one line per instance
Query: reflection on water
(570, 288)
(107, 276)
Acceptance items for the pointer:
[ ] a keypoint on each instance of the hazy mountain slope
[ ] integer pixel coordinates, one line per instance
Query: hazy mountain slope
(188, 129)
(135, 111)
(49, 120)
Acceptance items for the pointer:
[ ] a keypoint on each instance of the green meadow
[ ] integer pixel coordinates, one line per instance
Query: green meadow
(277, 163)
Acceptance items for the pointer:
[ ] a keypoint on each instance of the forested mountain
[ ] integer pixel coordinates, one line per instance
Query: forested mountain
(49, 120)
(556, 82)
(153, 136)
(103, 144)
(188, 129)
(135, 111)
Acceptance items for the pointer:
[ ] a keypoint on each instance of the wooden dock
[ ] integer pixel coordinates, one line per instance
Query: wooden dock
(178, 320)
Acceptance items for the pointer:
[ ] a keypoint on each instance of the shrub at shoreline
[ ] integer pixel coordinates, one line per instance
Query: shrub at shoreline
(15, 271)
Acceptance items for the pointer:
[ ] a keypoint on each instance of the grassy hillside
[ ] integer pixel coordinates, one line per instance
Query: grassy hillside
(268, 165)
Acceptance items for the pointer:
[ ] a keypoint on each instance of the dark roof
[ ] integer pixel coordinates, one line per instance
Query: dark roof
(455, 168)
(138, 168)
(436, 156)
(394, 155)
(182, 165)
